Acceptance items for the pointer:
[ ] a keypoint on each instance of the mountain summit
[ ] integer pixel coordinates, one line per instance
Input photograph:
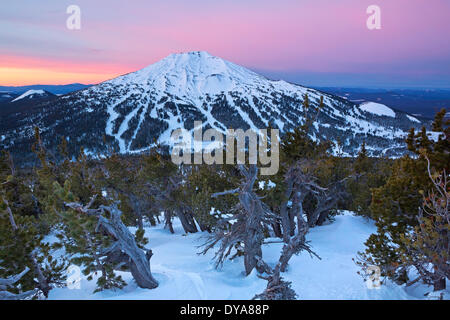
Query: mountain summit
(193, 74)
(133, 110)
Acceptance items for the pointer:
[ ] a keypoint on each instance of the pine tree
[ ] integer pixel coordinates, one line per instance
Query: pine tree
(394, 205)
(439, 120)
(165, 181)
(369, 173)
(437, 150)
(428, 244)
(22, 236)
(79, 235)
(122, 179)
(202, 182)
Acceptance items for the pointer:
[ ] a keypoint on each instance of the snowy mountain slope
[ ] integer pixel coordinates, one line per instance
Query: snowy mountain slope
(183, 274)
(378, 109)
(135, 109)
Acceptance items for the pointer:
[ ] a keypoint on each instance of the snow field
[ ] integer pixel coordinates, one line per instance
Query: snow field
(183, 274)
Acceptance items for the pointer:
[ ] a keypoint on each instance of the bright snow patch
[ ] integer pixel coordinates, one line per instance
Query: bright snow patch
(29, 93)
(378, 109)
(182, 274)
(269, 184)
(412, 119)
(434, 136)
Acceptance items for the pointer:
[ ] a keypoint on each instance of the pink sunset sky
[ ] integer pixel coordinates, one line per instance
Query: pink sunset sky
(313, 42)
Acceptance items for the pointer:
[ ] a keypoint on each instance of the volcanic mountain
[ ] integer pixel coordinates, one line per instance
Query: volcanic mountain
(130, 112)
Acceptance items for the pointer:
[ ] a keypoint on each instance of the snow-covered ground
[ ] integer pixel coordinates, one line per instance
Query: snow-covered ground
(183, 274)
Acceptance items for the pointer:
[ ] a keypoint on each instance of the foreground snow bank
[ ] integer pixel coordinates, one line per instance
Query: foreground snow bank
(182, 274)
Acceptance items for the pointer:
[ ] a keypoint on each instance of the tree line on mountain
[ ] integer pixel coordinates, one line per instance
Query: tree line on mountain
(68, 211)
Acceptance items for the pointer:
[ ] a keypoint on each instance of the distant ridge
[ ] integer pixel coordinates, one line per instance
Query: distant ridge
(55, 89)
(33, 94)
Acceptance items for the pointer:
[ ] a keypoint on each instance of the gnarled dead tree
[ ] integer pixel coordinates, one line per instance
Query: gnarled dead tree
(300, 184)
(124, 251)
(326, 200)
(277, 288)
(296, 243)
(251, 217)
(8, 282)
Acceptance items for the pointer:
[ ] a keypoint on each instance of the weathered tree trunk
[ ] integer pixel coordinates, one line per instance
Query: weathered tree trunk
(143, 279)
(292, 222)
(152, 219)
(204, 227)
(191, 220)
(168, 221)
(43, 282)
(139, 260)
(135, 204)
(186, 221)
(322, 218)
(13, 279)
(296, 243)
(255, 212)
(277, 288)
(276, 227)
(252, 250)
(8, 282)
(285, 219)
(252, 217)
(325, 203)
(439, 284)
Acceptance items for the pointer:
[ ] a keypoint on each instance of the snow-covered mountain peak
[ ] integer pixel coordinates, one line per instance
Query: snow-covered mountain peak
(134, 110)
(197, 73)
